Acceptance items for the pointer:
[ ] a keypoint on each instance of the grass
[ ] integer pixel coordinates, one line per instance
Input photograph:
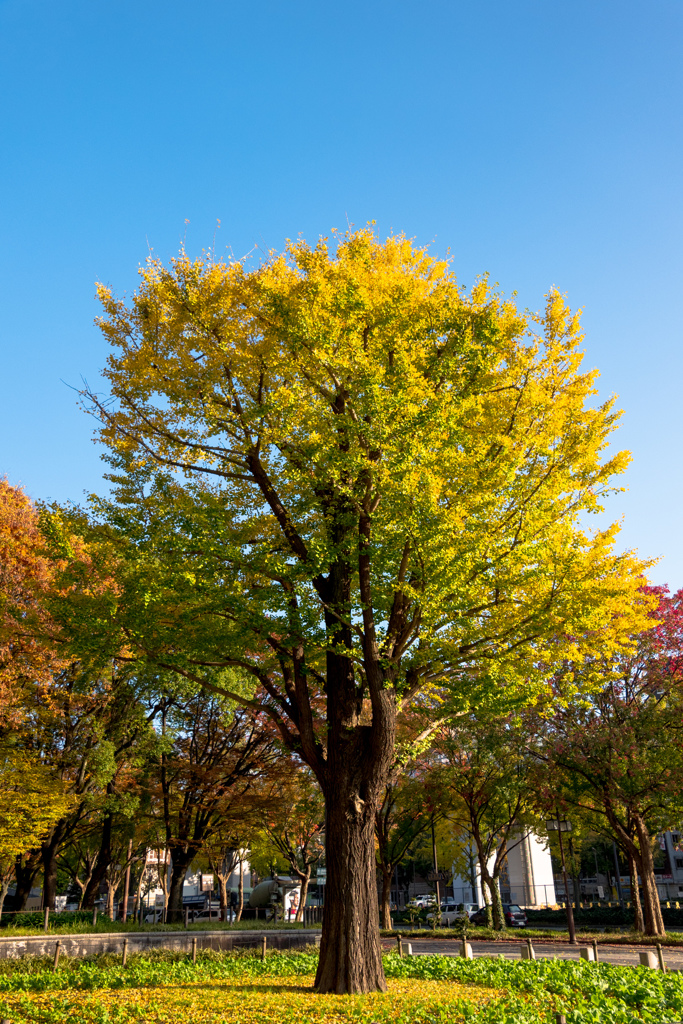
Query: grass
(167, 988)
(240, 988)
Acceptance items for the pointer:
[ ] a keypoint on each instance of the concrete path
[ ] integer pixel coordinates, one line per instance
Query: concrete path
(510, 949)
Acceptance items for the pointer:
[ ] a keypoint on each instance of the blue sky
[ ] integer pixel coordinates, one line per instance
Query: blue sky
(538, 141)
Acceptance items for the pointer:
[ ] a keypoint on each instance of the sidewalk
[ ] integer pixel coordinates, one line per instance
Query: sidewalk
(510, 948)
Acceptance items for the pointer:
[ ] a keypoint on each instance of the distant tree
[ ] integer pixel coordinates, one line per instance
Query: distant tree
(214, 753)
(611, 743)
(236, 827)
(28, 653)
(484, 770)
(402, 818)
(34, 798)
(294, 824)
(85, 728)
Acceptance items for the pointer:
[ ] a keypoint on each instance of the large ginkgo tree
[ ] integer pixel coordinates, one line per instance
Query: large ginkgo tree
(363, 488)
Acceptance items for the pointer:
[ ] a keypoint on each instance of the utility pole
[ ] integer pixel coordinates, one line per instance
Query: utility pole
(126, 884)
(436, 873)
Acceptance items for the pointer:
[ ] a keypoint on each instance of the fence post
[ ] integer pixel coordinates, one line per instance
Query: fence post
(398, 943)
(47, 918)
(660, 957)
(194, 949)
(595, 951)
(56, 961)
(94, 917)
(263, 947)
(124, 958)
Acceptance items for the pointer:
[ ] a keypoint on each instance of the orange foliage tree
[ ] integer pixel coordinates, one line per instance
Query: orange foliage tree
(27, 650)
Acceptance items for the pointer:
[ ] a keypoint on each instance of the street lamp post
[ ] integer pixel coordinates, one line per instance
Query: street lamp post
(436, 874)
(560, 826)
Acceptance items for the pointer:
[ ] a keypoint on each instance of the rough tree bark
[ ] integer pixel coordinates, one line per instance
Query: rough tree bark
(104, 857)
(181, 860)
(654, 923)
(82, 883)
(359, 760)
(48, 854)
(223, 869)
(4, 888)
(26, 868)
(638, 922)
(386, 896)
(489, 879)
(640, 852)
(350, 953)
(240, 891)
(305, 878)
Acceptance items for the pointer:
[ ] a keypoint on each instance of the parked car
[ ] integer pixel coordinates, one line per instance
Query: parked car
(421, 902)
(450, 912)
(514, 916)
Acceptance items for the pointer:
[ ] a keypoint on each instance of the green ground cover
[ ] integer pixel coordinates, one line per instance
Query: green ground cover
(165, 987)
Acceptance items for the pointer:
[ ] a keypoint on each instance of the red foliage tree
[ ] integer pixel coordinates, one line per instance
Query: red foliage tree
(615, 752)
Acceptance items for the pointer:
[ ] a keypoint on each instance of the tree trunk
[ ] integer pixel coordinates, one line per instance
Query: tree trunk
(240, 891)
(82, 885)
(359, 760)
(386, 897)
(635, 895)
(104, 858)
(350, 954)
(303, 895)
(4, 889)
(111, 893)
(181, 862)
(496, 904)
(49, 859)
(223, 895)
(25, 870)
(484, 876)
(487, 903)
(654, 924)
(137, 911)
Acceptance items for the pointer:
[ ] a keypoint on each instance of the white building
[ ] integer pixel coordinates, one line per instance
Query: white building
(526, 878)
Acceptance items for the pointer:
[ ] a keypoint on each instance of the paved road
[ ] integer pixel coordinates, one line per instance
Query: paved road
(625, 955)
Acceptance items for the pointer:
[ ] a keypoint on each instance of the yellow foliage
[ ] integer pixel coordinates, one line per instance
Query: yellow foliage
(274, 1000)
(350, 402)
(32, 801)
